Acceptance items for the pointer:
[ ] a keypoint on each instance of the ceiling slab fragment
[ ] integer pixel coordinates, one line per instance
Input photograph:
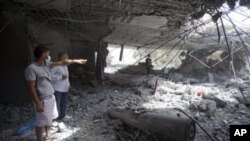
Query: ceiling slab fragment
(133, 22)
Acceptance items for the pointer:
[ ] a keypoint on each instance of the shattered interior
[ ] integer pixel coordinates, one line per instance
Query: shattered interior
(198, 87)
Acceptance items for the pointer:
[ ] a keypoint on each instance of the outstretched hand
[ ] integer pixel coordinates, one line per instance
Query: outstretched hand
(71, 61)
(82, 61)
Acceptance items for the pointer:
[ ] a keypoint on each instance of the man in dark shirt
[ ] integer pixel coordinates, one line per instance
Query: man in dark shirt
(149, 64)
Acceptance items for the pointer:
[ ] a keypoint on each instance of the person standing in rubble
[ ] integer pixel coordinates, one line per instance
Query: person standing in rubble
(149, 64)
(60, 77)
(39, 82)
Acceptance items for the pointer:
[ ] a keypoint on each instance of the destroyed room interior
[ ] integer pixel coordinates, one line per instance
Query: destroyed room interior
(124, 70)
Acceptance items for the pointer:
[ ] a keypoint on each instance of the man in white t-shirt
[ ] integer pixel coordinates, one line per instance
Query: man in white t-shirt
(60, 77)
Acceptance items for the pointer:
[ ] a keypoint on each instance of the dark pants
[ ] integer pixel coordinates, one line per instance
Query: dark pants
(61, 100)
(149, 69)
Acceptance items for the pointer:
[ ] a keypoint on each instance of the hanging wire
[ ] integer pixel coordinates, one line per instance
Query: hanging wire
(173, 38)
(243, 43)
(195, 27)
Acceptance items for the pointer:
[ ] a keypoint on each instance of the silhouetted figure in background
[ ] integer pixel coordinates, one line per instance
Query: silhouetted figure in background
(149, 64)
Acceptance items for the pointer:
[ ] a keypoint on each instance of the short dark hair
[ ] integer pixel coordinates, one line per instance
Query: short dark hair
(60, 55)
(39, 50)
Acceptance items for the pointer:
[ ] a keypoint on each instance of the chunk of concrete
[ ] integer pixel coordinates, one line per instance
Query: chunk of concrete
(177, 77)
(211, 107)
(203, 107)
(220, 103)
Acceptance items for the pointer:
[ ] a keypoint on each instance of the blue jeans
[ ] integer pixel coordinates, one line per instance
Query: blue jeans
(61, 100)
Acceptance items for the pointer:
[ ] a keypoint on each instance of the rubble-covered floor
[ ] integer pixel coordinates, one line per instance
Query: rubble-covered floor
(214, 106)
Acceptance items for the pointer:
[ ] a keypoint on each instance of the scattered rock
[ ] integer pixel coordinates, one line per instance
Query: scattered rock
(242, 112)
(13, 116)
(89, 112)
(94, 83)
(236, 123)
(179, 92)
(203, 114)
(220, 103)
(211, 106)
(116, 124)
(197, 116)
(203, 107)
(186, 97)
(5, 134)
(73, 98)
(113, 137)
(236, 105)
(150, 83)
(246, 90)
(61, 127)
(242, 100)
(177, 77)
(225, 121)
(193, 81)
(219, 138)
(193, 106)
(137, 91)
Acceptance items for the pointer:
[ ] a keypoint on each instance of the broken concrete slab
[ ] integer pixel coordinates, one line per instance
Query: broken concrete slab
(203, 107)
(219, 102)
(88, 110)
(173, 125)
(73, 98)
(242, 100)
(211, 107)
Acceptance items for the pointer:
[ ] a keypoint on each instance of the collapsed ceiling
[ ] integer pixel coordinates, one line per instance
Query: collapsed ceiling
(133, 22)
(84, 25)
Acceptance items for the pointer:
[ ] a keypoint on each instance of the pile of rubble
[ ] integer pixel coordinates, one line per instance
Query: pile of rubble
(213, 106)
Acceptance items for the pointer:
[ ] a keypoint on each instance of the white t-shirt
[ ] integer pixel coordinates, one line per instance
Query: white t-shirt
(59, 84)
(40, 74)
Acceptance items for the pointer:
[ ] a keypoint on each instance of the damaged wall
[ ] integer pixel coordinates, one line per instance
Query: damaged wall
(15, 56)
(20, 37)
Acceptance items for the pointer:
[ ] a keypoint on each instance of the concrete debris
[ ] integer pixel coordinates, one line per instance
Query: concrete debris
(173, 124)
(212, 105)
(236, 123)
(12, 116)
(61, 127)
(219, 102)
(192, 81)
(179, 92)
(203, 107)
(177, 77)
(242, 100)
(73, 98)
